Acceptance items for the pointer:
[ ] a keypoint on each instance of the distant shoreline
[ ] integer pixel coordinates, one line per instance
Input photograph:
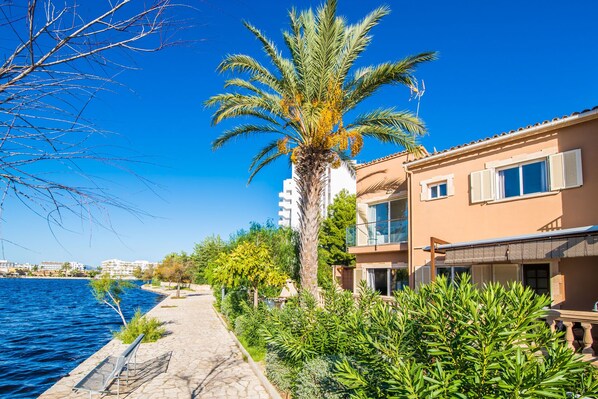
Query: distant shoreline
(53, 278)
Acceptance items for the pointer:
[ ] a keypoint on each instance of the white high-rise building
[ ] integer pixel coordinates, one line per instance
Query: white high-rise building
(123, 268)
(336, 180)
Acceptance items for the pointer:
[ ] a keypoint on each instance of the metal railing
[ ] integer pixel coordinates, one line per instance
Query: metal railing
(381, 232)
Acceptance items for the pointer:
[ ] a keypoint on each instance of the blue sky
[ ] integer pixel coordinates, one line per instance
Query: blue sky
(502, 65)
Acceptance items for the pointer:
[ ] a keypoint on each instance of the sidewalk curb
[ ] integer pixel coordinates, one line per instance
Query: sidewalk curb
(256, 370)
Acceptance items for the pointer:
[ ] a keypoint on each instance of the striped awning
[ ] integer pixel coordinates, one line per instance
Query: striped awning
(570, 243)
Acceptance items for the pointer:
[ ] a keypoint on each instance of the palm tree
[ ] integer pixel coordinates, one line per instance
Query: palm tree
(304, 100)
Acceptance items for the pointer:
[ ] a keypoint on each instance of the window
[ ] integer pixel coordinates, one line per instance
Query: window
(437, 187)
(388, 222)
(453, 273)
(387, 281)
(437, 190)
(522, 179)
(524, 175)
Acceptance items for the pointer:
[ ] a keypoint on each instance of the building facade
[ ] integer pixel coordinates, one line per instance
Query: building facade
(51, 266)
(123, 268)
(379, 239)
(519, 206)
(336, 180)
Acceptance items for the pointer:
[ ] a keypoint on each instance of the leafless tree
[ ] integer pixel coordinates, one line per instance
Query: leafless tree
(56, 56)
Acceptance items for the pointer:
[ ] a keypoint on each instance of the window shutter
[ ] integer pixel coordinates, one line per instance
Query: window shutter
(450, 187)
(565, 170)
(557, 289)
(424, 192)
(556, 169)
(481, 185)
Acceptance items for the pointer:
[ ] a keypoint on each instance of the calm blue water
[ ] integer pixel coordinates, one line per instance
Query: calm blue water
(47, 327)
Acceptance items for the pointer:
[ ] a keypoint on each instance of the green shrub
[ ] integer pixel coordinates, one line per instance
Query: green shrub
(156, 282)
(302, 330)
(279, 372)
(250, 324)
(139, 324)
(232, 304)
(456, 341)
(317, 380)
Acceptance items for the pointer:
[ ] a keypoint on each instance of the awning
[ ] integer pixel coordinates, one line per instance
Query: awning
(567, 243)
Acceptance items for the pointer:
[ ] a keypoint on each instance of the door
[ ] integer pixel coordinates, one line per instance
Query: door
(537, 277)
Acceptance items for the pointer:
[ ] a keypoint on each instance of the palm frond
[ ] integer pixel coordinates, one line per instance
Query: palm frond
(368, 81)
(390, 135)
(263, 163)
(284, 66)
(357, 41)
(244, 131)
(399, 120)
(245, 64)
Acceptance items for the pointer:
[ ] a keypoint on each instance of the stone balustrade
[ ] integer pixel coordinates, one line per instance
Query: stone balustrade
(578, 338)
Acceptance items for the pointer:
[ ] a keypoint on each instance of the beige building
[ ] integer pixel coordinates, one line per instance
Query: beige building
(519, 206)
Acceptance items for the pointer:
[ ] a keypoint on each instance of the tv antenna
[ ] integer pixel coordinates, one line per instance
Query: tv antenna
(417, 93)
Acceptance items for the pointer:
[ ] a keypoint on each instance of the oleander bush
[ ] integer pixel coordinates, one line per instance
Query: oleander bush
(303, 332)
(140, 324)
(250, 325)
(455, 341)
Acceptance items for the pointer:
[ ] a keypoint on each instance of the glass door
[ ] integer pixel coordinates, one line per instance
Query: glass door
(537, 277)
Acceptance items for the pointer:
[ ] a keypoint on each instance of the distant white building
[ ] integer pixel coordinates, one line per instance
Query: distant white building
(52, 266)
(6, 266)
(336, 180)
(123, 268)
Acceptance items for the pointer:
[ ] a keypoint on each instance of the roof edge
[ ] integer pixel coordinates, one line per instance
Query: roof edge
(576, 117)
(387, 157)
(575, 231)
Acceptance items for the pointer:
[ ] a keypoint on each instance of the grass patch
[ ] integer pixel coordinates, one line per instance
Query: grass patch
(257, 354)
(139, 324)
(168, 306)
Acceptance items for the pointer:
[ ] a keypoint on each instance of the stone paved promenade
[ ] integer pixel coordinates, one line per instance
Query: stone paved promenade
(198, 359)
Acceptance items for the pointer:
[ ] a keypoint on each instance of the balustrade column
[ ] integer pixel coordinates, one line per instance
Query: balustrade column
(587, 339)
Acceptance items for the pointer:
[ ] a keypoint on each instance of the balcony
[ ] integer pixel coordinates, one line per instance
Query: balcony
(382, 232)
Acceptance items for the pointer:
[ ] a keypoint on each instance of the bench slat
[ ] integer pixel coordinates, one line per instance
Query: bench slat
(99, 379)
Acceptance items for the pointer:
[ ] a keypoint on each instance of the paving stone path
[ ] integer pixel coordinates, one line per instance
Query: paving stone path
(197, 359)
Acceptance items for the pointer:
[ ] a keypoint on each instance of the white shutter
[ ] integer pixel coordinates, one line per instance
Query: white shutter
(424, 192)
(450, 186)
(481, 185)
(565, 170)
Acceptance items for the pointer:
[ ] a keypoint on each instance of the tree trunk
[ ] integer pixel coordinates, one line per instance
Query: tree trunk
(255, 298)
(310, 169)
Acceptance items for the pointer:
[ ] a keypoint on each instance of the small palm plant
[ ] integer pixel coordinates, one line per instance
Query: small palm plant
(303, 100)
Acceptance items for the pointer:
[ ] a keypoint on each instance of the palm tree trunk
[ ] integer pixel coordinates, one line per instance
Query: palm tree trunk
(310, 170)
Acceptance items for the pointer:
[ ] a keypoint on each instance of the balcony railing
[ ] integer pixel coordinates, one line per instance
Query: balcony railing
(578, 330)
(392, 231)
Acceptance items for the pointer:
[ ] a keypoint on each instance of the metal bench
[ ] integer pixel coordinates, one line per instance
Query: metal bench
(101, 377)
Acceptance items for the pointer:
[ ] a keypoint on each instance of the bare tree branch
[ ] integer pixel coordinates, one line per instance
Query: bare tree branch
(56, 57)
